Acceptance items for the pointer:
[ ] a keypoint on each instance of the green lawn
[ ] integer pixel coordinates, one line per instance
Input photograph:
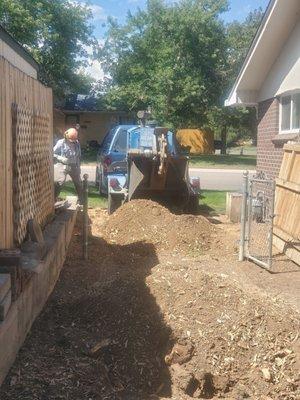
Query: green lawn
(211, 201)
(89, 156)
(95, 200)
(247, 150)
(231, 161)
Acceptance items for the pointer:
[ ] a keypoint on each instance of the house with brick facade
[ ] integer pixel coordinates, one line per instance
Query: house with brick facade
(270, 81)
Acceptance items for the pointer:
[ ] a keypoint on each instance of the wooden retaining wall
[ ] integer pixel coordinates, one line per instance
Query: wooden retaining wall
(26, 166)
(43, 277)
(287, 204)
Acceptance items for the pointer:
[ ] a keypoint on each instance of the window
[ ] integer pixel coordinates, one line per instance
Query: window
(296, 111)
(290, 113)
(120, 145)
(107, 140)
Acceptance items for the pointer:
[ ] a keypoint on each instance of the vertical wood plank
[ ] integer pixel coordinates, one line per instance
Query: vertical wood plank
(29, 94)
(2, 158)
(8, 154)
(287, 206)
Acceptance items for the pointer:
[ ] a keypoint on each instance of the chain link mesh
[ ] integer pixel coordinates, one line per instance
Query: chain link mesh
(261, 193)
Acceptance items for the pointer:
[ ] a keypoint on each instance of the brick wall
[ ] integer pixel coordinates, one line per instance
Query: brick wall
(269, 155)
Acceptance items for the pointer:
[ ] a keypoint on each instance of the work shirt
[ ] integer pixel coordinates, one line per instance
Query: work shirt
(70, 150)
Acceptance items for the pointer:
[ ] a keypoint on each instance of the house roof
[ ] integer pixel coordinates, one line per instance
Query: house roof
(277, 24)
(18, 48)
(79, 103)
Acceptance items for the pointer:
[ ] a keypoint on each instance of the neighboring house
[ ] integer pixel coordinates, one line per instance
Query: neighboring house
(270, 81)
(86, 112)
(17, 55)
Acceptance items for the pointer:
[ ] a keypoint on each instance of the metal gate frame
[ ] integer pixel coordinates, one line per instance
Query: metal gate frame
(257, 212)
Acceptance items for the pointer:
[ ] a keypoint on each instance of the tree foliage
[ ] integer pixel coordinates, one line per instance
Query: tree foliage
(56, 33)
(172, 58)
(241, 121)
(180, 60)
(240, 36)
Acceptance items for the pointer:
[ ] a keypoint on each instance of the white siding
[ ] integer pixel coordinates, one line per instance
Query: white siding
(284, 75)
(15, 59)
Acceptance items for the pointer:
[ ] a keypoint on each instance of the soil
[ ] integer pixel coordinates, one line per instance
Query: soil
(150, 222)
(161, 310)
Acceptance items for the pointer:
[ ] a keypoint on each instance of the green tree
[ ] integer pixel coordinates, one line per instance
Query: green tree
(241, 120)
(172, 58)
(238, 121)
(240, 36)
(56, 33)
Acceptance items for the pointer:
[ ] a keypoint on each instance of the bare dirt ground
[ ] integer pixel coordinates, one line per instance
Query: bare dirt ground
(162, 310)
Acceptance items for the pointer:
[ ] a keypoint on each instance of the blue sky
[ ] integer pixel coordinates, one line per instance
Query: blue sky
(118, 9)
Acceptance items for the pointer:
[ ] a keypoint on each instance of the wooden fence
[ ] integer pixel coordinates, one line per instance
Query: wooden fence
(287, 204)
(26, 167)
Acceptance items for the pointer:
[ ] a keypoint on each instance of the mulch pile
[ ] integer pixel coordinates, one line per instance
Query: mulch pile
(141, 322)
(245, 344)
(145, 220)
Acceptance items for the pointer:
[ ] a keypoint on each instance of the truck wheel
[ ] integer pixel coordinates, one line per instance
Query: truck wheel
(114, 202)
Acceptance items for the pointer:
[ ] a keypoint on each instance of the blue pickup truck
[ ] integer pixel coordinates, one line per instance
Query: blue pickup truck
(112, 155)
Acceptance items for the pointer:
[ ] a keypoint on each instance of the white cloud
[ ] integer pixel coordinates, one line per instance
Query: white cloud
(89, 49)
(98, 12)
(95, 70)
(94, 67)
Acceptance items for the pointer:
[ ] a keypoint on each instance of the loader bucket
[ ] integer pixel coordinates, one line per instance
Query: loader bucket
(136, 179)
(145, 181)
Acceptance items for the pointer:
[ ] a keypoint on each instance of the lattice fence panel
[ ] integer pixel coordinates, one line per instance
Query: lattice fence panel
(33, 180)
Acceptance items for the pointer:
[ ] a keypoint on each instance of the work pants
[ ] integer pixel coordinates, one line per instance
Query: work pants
(74, 172)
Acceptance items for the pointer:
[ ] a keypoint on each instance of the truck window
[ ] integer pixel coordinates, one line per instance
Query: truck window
(121, 142)
(107, 140)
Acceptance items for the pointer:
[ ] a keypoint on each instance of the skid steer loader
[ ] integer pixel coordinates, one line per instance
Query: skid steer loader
(157, 169)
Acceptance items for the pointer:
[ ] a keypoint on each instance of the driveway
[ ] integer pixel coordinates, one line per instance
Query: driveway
(210, 179)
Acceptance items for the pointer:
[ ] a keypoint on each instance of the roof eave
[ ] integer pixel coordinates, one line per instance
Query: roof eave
(237, 104)
(249, 54)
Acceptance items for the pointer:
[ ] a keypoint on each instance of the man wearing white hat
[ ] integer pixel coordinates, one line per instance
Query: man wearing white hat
(67, 152)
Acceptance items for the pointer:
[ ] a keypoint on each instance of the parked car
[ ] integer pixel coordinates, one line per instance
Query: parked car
(111, 156)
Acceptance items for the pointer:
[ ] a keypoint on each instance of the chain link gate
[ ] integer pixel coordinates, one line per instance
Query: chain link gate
(257, 219)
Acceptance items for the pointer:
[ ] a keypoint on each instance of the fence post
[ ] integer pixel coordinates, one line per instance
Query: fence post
(243, 216)
(272, 216)
(85, 216)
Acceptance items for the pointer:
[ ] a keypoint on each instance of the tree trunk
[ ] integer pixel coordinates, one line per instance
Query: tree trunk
(224, 139)
(254, 123)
